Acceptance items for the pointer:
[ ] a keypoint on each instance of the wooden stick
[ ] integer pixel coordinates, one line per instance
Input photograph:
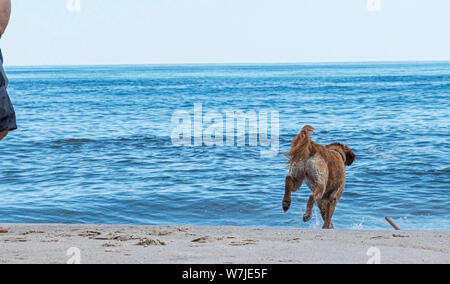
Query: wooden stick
(392, 223)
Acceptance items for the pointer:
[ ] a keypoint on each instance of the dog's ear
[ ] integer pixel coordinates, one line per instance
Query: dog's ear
(349, 156)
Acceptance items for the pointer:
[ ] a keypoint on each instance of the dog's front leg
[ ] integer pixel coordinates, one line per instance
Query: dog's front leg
(331, 207)
(330, 212)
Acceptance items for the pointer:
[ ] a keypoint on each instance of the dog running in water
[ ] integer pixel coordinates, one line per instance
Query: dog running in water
(323, 170)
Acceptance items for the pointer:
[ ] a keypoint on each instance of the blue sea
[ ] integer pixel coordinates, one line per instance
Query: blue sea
(94, 144)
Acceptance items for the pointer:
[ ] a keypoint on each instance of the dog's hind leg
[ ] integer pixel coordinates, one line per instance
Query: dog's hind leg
(317, 195)
(292, 185)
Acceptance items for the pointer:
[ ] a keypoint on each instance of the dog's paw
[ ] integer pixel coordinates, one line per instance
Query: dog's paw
(328, 226)
(286, 205)
(306, 218)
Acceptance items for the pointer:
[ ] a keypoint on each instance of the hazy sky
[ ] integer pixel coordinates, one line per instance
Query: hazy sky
(45, 32)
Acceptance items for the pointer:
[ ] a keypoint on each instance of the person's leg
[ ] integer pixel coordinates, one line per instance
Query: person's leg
(7, 115)
(3, 135)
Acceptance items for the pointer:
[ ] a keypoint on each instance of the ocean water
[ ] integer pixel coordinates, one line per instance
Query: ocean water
(94, 144)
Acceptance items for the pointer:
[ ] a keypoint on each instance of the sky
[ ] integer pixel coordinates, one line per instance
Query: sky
(105, 32)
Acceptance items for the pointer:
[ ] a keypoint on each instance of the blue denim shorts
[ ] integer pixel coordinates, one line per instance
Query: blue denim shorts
(7, 113)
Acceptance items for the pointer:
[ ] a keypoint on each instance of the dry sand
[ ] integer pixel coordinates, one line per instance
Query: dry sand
(223, 245)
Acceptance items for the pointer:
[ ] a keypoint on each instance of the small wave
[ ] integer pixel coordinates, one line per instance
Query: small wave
(119, 140)
(359, 226)
(74, 141)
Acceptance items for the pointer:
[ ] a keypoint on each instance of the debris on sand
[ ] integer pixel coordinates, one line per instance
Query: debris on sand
(149, 242)
(90, 234)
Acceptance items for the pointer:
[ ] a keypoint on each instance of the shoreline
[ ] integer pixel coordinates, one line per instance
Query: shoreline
(111, 244)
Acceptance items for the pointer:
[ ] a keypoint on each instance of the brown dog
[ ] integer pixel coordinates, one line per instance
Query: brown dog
(323, 170)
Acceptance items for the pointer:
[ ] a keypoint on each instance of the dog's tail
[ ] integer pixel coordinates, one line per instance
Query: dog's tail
(301, 145)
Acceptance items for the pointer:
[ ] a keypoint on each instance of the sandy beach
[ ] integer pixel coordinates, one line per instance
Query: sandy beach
(49, 244)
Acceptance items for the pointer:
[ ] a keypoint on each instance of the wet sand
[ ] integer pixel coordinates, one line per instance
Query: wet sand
(50, 244)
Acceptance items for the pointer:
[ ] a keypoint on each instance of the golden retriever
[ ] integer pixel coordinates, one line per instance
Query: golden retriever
(323, 170)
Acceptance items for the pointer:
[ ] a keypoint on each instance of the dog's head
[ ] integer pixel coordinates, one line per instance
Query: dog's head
(349, 154)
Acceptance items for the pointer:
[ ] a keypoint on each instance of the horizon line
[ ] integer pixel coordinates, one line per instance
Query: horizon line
(233, 63)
